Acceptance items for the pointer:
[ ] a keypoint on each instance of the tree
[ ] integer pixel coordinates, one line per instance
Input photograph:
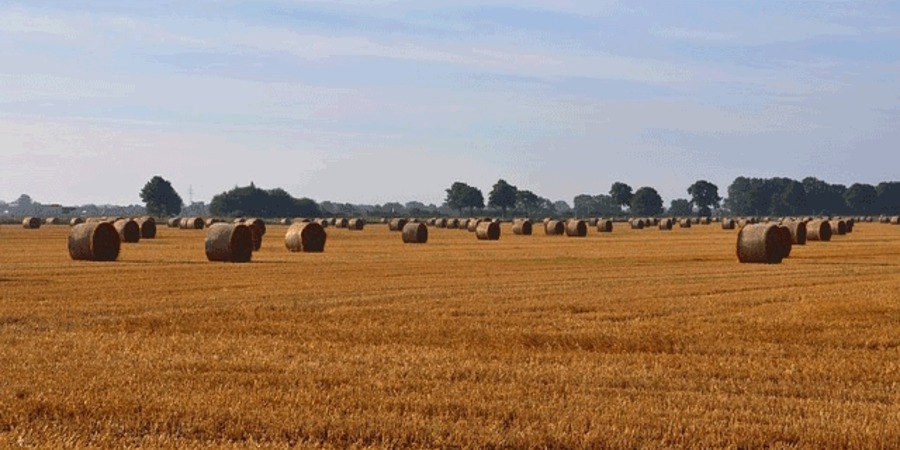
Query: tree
(680, 207)
(704, 195)
(527, 201)
(161, 198)
(861, 198)
(460, 195)
(621, 194)
(888, 197)
(789, 199)
(583, 205)
(253, 201)
(502, 195)
(646, 202)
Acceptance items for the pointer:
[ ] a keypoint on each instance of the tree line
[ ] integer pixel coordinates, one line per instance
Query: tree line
(746, 197)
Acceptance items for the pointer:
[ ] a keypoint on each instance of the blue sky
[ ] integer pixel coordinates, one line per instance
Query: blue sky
(376, 101)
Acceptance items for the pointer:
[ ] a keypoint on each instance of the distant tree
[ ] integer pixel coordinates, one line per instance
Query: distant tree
(862, 198)
(704, 195)
(824, 198)
(160, 197)
(460, 195)
(680, 208)
(646, 202)
(583, 205)
(527, 202)
(621, 194)
(789, 198)
(888, 197)
(503, 196)
(561, 207)
(393, 208)
(253, 201)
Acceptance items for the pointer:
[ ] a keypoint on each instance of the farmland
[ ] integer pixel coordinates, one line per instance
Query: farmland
(636, 338)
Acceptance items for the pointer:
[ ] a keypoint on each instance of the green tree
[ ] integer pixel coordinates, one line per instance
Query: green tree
(680, 207)
(583, 204)
(621, 193)
(888, 197)
(527, 201)
(253, 201)
(503, 196)
(646, 202)
(460, 195)
(161, 198)
(704, 195)
(861, 198)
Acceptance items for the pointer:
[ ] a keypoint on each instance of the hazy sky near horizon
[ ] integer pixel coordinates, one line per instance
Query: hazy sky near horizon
(376, 101)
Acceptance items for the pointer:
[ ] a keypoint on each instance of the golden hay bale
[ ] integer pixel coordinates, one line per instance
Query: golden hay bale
(743, 222)
(695, 221)
(440, 222)
(488, 231)
(651, 222)
(341, 222)
(785, 240)
(31, 223)
(95, 241)
(415, 233)
(554, 228)
(728, 223)
(605, 225)
(851, 222)
(173, 222)
(238, 220)
(818, 230)
(95, 220)
(453, 223)
(397, 224)
(285, 221)
(76, 221)
(147, 225)
(797, 229)
(705, 221)
(762, 243)
(522, 227)
(636, 224)
(666, 224)
(685, 223)
(306, 237)
(838, 227)
(472, 225)
(463, 224)
(592, 222)
(257, 231)
(129, 230)
(894, 220)
(323, 222)
(191, 223)
(576, 228)
(211, 220)
(356, 224)
(229, 242)
(52, 221)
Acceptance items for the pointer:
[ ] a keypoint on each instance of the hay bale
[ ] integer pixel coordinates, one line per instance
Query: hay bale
(147, 226)
(838, 227)
(728, 224)
(797, 229)
(522, 227)
(440, 222)
(762, 243)
(605, 225)
(75, 221)
(576, 228)
(472, 225)
(257, 231)
(636, 224)
(488, 231)
(818, 230)
(229, 242)
(397, 224)
(173, 222)
(95, 241)
(666, 224)
(192, 223)
(592, 222)
(554, 228)
(305, 237)
(785, 240)
(851, 222)
(705, 221)
(238, 220)
(415, 233)
(129, 231)
(322, 222)
(285, 221)
(695, 221)
(209, 221)
(31, 223)
(340, 222)
(453, 224)
(894, 220)
(356, 224)
(52, 221)
(685, 223)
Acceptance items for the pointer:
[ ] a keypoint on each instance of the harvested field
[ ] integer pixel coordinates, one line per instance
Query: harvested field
(617, 340)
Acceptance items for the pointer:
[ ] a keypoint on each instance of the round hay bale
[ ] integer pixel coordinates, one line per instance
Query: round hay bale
(453, 223)
(95, 220)
(129, 231)
(522, 227)
(173, 222)
(797, 229)
(592, 222)
(705, 221)
(762, 243)
(440, 222)
(894, 220)
(52, 221)
(192, 223)
(305, 237)
(576, 228)
(147, 225)
(323, 222)
(300, 220)
(95, 241)
(238, 220)
(851, 222)
(356, 224)
(257, 231)
(695, 220)
(488, 231)
(229, 242)
(415, 233)
(464, 224)
(75, 221)
(605, 226)
(666, 224)
(31, 223)
(554, 228)
(396, 224)
(785, 240)
(636, 224)
(340, 222)
(838, 227)
(209, 221)
(728, 223)
(472, 225)
(818, 230)
(285, 221)
(685, 223)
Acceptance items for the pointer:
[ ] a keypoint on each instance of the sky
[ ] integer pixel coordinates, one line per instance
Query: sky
(376, 101)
